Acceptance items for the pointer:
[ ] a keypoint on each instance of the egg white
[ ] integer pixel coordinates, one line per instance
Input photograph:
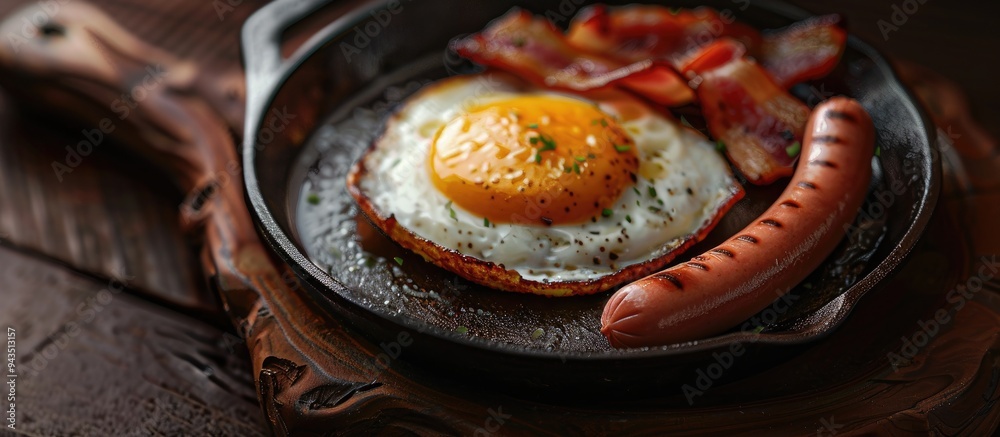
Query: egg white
(691, 180)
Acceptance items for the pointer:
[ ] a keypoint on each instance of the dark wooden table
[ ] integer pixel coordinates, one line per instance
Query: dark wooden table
(117, 333)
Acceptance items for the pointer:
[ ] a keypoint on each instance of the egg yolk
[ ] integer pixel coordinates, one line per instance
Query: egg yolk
(534, 159)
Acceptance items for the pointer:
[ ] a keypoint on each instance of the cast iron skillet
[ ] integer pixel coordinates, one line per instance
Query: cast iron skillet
(310, 114)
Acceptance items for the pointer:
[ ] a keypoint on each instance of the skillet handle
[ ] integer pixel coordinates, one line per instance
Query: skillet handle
(277, 30)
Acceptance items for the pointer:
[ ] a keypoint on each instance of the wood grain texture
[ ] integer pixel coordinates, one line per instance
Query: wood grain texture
(88, 220)
(104, 215)
(102, 362)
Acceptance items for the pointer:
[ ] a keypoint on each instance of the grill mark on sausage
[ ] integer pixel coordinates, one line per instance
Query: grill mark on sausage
(807, 185)
(723, 252)
(748, 238)
(770, 222)
(791, 204)
(827, 139)
(698, 266)
(672, 279)
(823, 163)
(840, 115)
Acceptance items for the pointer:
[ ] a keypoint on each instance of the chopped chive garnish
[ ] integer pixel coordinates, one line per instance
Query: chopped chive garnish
(398, 260)
(547, 142)
(604, 123)
(628, 218)
(537, 333)
(637, 193)
(538, 158)
(758, 330)
(720, 146)
(651, 191)
(580, 159)
(486, 222)
(395, 163)
(622, 148)
(547, 147)
(684, 122)
(533, 140)
(451, 211)
(567, 169)
(313, 199)
(655, 209)
(607, 212)
(576, 168)
(462, 330)
(591, 156)
(594, 122)
(878, 151)
(660, 201)
(533, 126)
(794, 149)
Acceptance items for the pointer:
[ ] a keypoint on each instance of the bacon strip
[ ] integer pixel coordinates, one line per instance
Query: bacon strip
(642, 32)
(758, 121)
(806, 50)
(642, 49)
(715, 55)
(536, 50)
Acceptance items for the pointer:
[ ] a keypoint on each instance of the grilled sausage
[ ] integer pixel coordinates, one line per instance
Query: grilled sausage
(719, 289)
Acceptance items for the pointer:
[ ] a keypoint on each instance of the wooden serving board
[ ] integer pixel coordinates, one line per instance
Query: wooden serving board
(886, 370)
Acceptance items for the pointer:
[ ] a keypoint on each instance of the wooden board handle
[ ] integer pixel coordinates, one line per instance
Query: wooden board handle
(82, 62)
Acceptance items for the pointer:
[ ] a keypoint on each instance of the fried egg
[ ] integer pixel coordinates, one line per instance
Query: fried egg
(529, 190)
